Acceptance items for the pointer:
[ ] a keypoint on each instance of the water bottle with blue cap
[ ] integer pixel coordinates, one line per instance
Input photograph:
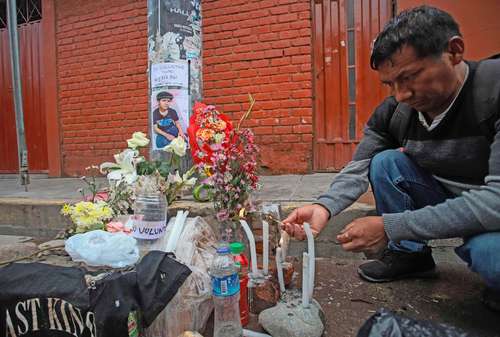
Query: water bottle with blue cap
(226, 294)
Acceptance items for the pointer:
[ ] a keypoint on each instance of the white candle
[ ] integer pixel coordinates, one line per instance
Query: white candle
(305, 280)
(173, 233)
(279, 269)
(253, 251)
(177, 230)
(265, 243)
(311, 253)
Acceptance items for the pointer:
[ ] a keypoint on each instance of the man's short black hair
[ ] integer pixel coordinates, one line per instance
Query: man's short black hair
(427, 29)
(164, 94)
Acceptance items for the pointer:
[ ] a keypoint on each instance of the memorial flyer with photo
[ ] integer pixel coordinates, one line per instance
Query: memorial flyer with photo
(174, 58)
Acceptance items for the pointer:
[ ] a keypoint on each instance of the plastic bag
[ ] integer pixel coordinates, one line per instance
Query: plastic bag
(385, 323)
(191, 307)
(100, 248)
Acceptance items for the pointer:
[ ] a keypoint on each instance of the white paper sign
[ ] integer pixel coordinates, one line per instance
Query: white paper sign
(169, 74)
(148, 230)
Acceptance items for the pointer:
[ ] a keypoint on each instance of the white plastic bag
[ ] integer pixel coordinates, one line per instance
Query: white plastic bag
(192, 305)
(100, 248)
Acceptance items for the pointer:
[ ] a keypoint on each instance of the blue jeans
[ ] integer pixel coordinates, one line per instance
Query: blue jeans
(399, 184)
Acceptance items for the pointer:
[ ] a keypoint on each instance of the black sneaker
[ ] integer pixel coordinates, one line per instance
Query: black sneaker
(394, 265)
(491, 299)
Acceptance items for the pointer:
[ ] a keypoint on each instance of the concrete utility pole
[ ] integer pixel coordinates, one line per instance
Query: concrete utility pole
(22, 150)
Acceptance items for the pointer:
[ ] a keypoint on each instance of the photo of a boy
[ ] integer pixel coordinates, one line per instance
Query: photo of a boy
(166, 123)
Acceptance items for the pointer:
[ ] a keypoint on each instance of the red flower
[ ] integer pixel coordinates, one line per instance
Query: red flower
(211, 122)
(226, 156)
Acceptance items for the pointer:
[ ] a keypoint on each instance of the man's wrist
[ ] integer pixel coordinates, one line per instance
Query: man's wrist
(325, 208)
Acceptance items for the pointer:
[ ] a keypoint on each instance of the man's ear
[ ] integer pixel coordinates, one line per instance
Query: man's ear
(456, 48)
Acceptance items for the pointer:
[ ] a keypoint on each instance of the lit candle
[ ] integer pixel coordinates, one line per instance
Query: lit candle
(265, 243)
(253, 251)
(284, 243)
(311, 253)
(279, 269)
(305, 280)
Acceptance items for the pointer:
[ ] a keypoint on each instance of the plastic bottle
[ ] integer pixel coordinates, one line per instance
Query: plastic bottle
(226, 295)
(241, 262)
(149, 220)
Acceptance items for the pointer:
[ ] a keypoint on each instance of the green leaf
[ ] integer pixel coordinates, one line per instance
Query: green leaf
(164, 169)
(145, 168)
(203, 192)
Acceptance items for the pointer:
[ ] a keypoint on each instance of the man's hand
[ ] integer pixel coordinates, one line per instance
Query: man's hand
(316, 215)
(364, 235)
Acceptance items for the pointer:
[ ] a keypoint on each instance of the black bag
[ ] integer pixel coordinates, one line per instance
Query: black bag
(44, 300)
(388, 324)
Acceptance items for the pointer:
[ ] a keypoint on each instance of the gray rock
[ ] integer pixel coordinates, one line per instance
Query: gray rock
(52, 244)
(290, 319)
(17, 250)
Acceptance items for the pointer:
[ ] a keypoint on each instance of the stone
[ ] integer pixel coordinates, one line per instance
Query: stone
(288, 272)
(17, 250)
(52, 244)
(53, 248)
(264, 295)
(290, 319)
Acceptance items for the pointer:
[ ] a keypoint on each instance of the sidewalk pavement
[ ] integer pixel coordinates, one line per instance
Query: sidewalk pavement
(274, 188)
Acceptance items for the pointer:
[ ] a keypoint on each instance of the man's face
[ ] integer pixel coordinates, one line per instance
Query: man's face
(426, 84)
(165, 103)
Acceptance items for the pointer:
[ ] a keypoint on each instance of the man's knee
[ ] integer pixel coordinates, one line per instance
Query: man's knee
(483, 256)
(382, 164)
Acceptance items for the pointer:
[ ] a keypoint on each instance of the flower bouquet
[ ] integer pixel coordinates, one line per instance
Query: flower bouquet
(227, 157)
(130, 167)
(209, 132)
(87, 215)
(127, 177)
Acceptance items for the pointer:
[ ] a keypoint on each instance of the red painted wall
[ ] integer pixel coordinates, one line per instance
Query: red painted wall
(261, 47)
(102, 78)
(478, 22)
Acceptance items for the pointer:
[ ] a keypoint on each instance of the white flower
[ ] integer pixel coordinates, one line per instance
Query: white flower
(188, 181)
(184, 180)
(123, 169)
(177, 146)
(138, 139)
(174, 178)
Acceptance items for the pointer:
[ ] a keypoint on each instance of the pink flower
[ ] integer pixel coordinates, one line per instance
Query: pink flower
(99, 196)
(233, 167)
(116, 226)
(223, 215)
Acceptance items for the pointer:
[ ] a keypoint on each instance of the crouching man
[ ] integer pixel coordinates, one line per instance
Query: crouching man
(431, 152)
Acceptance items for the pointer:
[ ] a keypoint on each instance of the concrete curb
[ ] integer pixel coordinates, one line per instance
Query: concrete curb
(34, 202)
(41, 218)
